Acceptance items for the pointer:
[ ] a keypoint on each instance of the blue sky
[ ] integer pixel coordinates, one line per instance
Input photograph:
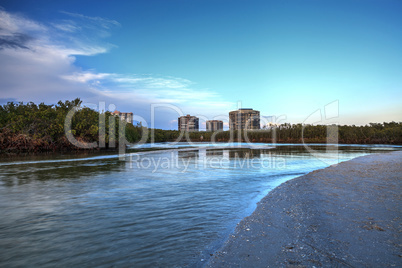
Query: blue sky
(287, 59)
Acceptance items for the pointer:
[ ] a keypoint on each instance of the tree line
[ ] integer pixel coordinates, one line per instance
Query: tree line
(373, 133)
(32, 127)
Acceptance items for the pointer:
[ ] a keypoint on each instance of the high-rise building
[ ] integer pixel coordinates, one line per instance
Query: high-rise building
(214, 125)
(245, 118)
(188, 123)
(128, 117)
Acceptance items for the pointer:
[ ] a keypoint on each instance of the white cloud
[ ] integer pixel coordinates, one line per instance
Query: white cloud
(38, 64)
(85, 77)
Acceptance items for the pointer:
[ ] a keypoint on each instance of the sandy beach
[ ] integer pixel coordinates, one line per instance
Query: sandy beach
(346, 215)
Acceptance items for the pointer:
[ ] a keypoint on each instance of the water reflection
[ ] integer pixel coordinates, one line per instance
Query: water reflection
(245, 153)
(163, 209)
(215, 152)
(189, 154)
(20, 175)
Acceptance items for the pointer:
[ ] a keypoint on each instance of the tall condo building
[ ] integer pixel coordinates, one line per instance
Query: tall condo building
(128, 117)
(188, 123)
(214, 125)
(245, 118)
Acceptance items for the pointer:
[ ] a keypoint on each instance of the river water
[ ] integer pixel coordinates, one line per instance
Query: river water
(150, 209)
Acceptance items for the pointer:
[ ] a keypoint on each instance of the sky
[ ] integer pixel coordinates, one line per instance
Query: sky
(297, 61)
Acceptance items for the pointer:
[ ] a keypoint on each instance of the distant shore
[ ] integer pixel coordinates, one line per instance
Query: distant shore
(348, 215)
(34, 128)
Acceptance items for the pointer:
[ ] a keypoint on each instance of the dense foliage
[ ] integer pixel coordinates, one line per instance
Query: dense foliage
(31, 127)
(374, 133)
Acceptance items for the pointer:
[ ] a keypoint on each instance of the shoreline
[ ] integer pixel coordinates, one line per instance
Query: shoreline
(31, 148)
(344, 215)
(12, 153)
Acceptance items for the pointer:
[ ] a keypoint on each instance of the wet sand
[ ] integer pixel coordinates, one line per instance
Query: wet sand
(348, 215)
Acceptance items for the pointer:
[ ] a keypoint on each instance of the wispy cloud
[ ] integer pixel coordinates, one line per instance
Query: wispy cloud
(102, 22)
(158, 89)
(38, 64)
(149, 89)
(69, 26)
(12, 23)
(85, 77)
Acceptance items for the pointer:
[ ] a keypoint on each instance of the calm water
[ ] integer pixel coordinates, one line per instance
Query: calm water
(161, 209)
